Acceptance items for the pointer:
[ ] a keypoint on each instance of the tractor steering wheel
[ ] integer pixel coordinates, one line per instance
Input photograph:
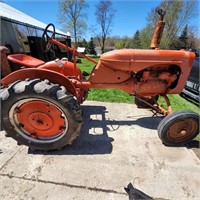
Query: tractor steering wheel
(45, 41)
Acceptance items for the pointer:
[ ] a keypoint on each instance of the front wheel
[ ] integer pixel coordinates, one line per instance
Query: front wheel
(179, 128)
(40, 114)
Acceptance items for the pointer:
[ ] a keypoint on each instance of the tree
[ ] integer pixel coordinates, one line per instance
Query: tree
(178, 15)
(183, 39)
(91, 47)
(193, 42)
(104, 16)
(125, 42)
(136, 40)
(181, 42)
(72, 15)
(145, 36)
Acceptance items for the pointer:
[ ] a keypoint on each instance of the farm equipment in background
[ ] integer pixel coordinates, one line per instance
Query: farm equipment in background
(40, 103)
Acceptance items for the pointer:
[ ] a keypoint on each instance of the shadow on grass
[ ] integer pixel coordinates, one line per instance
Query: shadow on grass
(94, 137)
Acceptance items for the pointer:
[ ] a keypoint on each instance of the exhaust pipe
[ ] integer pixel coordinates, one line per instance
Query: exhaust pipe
(158, 31)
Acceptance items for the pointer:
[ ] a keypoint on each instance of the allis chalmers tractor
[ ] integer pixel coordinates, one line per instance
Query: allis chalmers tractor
(40, 102)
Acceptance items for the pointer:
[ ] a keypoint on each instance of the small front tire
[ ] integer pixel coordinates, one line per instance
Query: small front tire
(179, 128)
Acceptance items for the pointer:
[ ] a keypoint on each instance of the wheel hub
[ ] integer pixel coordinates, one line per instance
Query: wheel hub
(40, 119)
(182, 130)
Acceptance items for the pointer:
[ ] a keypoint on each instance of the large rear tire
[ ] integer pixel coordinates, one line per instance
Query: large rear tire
(40, 114)
(179, 128)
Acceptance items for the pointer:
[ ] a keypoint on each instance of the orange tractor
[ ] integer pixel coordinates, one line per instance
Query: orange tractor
(40, 102)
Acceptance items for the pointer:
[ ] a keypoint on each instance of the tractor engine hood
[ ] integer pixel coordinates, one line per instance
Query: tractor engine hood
(139, 59)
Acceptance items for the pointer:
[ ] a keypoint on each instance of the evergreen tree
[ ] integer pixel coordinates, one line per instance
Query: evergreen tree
(183, 39)
(84, 43)
(136, 40)
(91, 47)
(181, 42)
(79, 44)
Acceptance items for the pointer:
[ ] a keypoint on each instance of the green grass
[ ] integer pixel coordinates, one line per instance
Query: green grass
(86, 66)
(115, 95)
(105, 95)
(180, 103)
(198, 137)
(109, 95)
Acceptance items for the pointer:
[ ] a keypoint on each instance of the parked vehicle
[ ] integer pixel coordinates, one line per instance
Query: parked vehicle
(40, 103)
(192, 88)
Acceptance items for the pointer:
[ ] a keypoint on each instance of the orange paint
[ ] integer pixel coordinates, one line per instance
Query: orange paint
(40, 119)
(135, 71)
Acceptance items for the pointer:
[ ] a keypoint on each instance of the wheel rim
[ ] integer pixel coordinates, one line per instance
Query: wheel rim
(182, 130)
(38, 120)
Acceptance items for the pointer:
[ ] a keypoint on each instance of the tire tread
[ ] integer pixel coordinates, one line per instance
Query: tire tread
(53, 91)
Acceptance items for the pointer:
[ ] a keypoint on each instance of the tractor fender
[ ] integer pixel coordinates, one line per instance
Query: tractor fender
(42, 74)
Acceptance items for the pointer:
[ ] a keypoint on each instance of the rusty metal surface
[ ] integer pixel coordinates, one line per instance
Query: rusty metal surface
(158, 31)
(4, 65)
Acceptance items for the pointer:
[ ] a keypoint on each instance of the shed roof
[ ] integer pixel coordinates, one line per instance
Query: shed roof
(11, 14)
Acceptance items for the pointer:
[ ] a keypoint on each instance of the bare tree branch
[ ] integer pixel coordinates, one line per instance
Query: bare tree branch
(72, 15)
(104, 16)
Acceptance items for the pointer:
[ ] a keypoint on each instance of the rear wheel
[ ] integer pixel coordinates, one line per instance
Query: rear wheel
(40, 114)
(179, 128)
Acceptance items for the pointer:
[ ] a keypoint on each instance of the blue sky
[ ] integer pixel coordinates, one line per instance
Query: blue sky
(129, 16)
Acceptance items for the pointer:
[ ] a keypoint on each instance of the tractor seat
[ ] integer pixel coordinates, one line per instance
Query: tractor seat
(25, 60)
